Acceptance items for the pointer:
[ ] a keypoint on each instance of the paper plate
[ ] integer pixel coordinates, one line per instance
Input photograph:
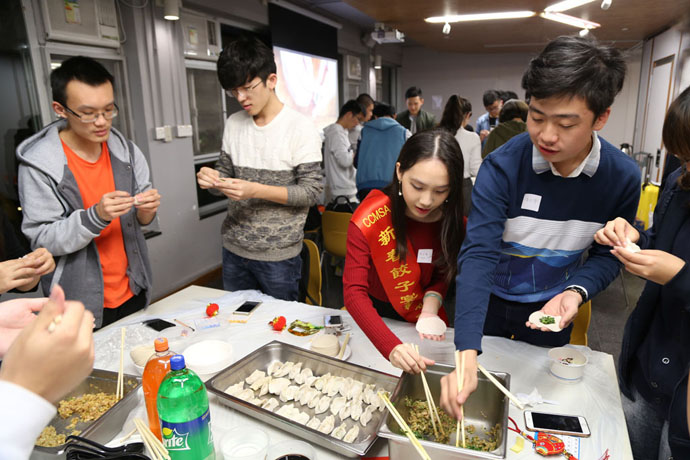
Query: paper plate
(537, 315)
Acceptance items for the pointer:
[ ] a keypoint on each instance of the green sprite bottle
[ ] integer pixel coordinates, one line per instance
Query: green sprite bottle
(184, 413)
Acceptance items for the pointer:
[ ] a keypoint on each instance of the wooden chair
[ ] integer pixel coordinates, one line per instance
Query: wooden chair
(578, 336)
(312, 287)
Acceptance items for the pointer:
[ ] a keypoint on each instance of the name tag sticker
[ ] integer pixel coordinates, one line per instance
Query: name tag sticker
(531, 202)
(424, 256)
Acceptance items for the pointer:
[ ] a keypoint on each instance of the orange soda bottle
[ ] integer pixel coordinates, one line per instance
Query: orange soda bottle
(157, 367)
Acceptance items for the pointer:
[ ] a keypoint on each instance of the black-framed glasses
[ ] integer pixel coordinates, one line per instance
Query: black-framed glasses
(108, 114)
(234, 93)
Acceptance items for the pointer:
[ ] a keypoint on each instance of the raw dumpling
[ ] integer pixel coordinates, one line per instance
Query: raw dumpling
(309, 381)
(367, 415)
(256, 401)
(368, 394)
(314, 423)
(337, 404)
(339, 431)
(258, 383)
(288, 411)
(256, 375)
(345, 386)
(323, 405)
(327, 425)
(264, 388)
(288, 394)
(285, 369)
(302, 418)
(270, 404)
(321, 381)
(351, 435)
(234, 390)
(274, 367)
(333, 386)
(345, 411)
(246, 395)
(355, 409)
(301, 378)
(276, 386)
(306, 395)
(295, 371)
(315, 399)
(354, 391)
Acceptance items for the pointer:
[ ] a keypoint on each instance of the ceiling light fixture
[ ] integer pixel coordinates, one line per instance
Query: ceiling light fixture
(566, 5)
(570, 20)
(446, 29)
(479, 17)
(606, 4)
(171, 10)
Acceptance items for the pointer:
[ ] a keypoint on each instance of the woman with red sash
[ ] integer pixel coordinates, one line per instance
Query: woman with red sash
(403, 243)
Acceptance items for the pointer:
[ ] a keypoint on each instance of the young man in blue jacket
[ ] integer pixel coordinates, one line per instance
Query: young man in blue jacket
(536, 205)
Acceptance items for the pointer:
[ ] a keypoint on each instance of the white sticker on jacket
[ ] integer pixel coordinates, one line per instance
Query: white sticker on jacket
(531, 202)
(424, 256)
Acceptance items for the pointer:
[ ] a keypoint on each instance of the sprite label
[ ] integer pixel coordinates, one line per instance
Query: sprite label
(189, 440)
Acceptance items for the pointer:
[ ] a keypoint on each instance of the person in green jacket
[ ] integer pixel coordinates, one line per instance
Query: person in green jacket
(414, 118)
(511, 122)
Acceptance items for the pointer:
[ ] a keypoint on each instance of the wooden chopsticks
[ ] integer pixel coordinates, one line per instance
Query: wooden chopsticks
(460, 377)
(401, 422)
(433, 411)
(503, 389)
(120, 391)
(152, 443)
(342, 348)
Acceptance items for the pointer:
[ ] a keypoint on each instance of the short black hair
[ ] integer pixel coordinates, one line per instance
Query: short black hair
(513, 108)
(576, 66)
(383, 110)
(365, 101)
(80, 68)
(507, 95)
(350, 106)
(490, 96)
(413, 91)
(243, 60)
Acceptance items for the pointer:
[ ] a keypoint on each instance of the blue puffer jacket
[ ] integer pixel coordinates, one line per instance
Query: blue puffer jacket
(378, 151)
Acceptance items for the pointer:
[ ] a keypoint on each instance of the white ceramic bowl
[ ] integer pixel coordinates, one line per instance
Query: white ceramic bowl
(208, 357)
(567, 363)
(291, 447)
(242, 443)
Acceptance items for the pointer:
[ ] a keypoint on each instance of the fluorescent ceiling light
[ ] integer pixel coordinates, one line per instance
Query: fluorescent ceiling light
(570, 20)
(566, 5)
(480, 17)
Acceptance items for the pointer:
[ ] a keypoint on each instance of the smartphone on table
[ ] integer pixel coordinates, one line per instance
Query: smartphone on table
(571, 425)
(247, 308)
(158, 324)
(335, 321)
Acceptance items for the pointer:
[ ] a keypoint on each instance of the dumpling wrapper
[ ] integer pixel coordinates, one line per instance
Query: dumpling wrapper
(537, 315)
(351, 435)
(632, 247)
(432, 325)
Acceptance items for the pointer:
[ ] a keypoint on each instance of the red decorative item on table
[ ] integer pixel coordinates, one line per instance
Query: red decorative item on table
(212, 309)
(278, 323)
(548, 444)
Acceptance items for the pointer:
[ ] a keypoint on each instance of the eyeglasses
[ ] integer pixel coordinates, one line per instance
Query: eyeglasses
(91, 118)
(234, 93)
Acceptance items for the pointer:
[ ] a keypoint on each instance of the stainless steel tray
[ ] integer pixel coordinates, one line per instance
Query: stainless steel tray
(320, 364)
(484, 409)
(108, 425)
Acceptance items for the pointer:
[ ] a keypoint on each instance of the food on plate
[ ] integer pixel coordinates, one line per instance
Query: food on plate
(288, 393)
(256, 375)
(234, 390)
(351, 435)
(301, 417)
(340, 431)
(327, 424)
(320, 382)
(270, 404)
(285, 369)
(355, 409)
(337, 404)
(246, 395)
(288, 411)
(301, 378)
(277, 385)
(323, 404)
(367, 415)
(314, 423)
(294, 372)
(273, 368)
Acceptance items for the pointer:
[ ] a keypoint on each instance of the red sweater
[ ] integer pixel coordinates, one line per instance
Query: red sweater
(360, 280)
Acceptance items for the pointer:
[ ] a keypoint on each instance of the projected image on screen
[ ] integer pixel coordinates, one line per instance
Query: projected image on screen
(308, 84)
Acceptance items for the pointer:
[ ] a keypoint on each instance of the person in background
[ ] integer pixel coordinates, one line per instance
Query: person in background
(414, 118)
(511, 122)
(86, 193)
(456, 114)
(536, 205)
(653, 365)
(507, 95)
(338, 156)
(382, 139)
(270, 169)
(42, 365)
(366, 103)
(402, 244)
(492, 103)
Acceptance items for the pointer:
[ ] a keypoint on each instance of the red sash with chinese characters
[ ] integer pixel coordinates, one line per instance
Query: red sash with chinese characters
(399, 280)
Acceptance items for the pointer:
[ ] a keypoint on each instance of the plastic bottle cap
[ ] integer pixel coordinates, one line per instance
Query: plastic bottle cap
(177, 363)
(161, 344)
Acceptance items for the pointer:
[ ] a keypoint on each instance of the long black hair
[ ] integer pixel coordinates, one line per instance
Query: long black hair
(440, 144)
(676, 134)
(454, 113)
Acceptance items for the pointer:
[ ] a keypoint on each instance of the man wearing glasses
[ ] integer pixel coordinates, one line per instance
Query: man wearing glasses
(270, 170)
(85, 192)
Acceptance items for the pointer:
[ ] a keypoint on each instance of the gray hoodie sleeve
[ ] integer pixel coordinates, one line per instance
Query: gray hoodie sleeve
(47, 220)
(141, 171)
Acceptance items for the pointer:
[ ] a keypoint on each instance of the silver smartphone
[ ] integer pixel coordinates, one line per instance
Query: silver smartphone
(571, 425)
(247, 308)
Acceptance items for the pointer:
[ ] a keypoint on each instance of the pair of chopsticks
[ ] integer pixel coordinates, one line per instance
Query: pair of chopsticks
(401, 422)
(460, 377)
(433, 411)
(152, 443)
(120, 391)
(342, 349)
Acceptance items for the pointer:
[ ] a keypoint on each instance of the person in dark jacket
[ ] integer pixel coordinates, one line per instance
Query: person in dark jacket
(511, 122)
(653, 365)
(414, 118)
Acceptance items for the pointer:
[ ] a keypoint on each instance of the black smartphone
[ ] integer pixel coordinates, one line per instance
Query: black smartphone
(247, 307)
(332, 320)
(158, 324)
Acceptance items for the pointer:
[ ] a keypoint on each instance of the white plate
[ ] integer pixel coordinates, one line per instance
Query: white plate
(346, 355)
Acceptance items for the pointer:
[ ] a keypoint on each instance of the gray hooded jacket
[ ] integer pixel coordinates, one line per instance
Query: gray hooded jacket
(55, 218)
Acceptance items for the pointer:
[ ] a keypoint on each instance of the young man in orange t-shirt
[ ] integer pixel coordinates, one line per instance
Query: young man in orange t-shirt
(86, 192)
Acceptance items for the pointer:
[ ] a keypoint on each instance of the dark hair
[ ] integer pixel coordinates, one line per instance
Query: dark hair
(489, 97)
(576, 66)
(413, 91)
(383, 110)
(365, 101)
(80, 68)
(440, 144)
(454, 112)
(243, 60)
(508, 95)
(350, 106)
(676, 133)
(514, 108)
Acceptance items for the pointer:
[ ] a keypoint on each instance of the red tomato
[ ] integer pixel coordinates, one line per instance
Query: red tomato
(212, 309)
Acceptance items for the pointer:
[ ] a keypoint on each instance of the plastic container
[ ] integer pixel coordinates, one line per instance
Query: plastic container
(208, 357)
(184, 414)
(567, 363)
(241, 443)
(155, 371)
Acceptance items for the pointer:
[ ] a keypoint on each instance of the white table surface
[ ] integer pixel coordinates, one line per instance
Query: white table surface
(596, 396)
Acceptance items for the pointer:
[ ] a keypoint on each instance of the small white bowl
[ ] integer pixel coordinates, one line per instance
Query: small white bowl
(567, 363)
(208, 357)
(242, 443)
(282, 449)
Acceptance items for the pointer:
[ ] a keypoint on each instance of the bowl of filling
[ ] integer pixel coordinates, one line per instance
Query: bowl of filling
(567, 363)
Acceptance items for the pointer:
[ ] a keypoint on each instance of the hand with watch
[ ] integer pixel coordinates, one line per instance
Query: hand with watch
(565, 305)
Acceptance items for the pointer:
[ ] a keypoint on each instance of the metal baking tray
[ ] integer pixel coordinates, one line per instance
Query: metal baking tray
(108, 425)
(485, 408)
(320, 364)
